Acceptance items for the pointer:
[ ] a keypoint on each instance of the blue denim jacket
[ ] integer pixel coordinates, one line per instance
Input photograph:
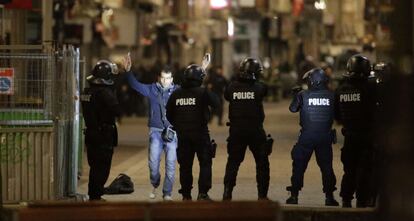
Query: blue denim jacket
(152, 91)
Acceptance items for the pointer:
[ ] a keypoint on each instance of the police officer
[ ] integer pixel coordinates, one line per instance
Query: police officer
(355, 111)
(246, 116)
(316, 106)
(188, 112)
(100, 107)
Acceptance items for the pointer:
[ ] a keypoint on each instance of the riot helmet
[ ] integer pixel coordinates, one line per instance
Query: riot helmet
(358, 66)
(194, 75)
(316, 78)
(250, 69)
(103, 73)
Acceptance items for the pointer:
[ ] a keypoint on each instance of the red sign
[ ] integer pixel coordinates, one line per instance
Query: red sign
(21, 4)
(6, 80)
(297, 7)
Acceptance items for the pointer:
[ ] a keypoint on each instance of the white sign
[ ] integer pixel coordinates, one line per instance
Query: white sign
(6, 81)
(218, 4)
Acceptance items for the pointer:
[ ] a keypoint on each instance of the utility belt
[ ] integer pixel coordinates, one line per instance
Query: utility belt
(356, 132)
(192, 130)
(105, 134)
(104, 127)
(268, 145)
(244, 125)
(101, 129)
(331, 133)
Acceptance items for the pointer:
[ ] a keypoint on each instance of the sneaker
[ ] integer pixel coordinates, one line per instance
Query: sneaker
(153, 193)
(203, 197)
(167, 198)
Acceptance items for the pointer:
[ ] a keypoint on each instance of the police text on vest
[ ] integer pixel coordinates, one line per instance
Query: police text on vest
(243, 96)
(318, 102)
(350, 97)
(185, 101)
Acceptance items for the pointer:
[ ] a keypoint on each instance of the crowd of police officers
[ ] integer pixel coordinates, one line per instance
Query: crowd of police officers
(188, 111)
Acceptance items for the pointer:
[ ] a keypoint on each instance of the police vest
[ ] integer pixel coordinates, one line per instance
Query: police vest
(353, 105)
(317, 110)
(246, 107)
(191, 111)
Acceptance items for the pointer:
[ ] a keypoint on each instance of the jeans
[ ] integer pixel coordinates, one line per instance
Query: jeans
(156, 147)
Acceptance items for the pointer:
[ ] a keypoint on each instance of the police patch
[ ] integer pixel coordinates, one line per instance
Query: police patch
(318, 102)
(185, 101)
(243, 96)
(356, 97)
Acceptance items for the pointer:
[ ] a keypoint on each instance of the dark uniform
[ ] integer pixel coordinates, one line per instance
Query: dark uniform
(100, 107)
(218, 83)
(188, 112)
(246, 116)
(355, 111)
(381, 80)
(316, 107)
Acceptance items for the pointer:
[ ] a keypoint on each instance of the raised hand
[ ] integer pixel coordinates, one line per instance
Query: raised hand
(126, 61)
(206, 61)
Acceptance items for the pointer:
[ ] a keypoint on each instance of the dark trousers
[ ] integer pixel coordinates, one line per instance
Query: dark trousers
(236, 149)
(301, 153)
(356, 157)
(190, 145)
(218, 111)
(99, 160)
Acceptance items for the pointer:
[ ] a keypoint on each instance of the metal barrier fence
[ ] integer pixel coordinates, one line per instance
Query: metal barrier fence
(39, 122)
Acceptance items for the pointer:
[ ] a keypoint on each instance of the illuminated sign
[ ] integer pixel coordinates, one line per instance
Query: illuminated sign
(219, 4)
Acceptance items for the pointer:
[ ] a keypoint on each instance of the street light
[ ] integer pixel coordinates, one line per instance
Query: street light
(230, 27)
(320, 5)
(218, 4)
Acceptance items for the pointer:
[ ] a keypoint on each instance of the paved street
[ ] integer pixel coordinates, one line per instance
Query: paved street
(131, 158)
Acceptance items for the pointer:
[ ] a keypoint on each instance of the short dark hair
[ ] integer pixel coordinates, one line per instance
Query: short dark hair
(165, 69)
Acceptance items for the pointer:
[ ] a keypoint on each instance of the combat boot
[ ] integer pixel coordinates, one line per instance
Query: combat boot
(227, 194)
(186, 195)
(203, 197)
(361, 204)
(330, 200)
(293, 199)
(346, 203)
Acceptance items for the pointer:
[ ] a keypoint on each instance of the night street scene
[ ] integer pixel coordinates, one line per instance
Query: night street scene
(202, 110)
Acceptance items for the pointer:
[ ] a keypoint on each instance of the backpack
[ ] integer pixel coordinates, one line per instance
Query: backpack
(122, 184)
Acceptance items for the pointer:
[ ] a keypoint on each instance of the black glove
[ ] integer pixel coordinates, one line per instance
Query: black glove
(296, 89)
